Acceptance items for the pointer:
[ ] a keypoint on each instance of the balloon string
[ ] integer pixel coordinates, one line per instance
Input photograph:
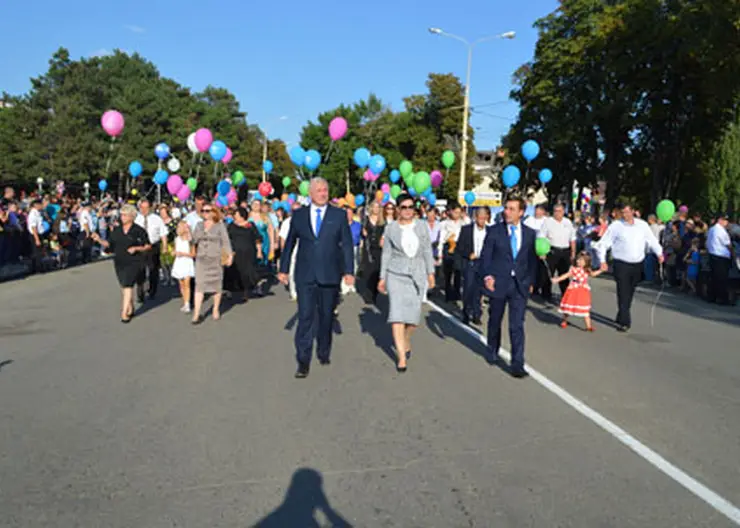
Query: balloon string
(110, 156)
(657, 297)
(200, 162)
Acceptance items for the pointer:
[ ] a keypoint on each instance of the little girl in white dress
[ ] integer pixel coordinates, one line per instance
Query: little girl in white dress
(184, 267)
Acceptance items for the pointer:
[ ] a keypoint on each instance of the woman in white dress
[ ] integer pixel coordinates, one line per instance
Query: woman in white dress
(406, 271)
(184, 267)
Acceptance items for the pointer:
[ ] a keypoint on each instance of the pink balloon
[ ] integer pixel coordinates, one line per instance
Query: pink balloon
(231, 199)
(231, 196)
(385, 188)
(112, 122)
(291, 201)
(368, 176)
(203, 139)
(337, 128)
(683, 209)
(183, 194)
(227, 157)
(174, 184)
(436, 178)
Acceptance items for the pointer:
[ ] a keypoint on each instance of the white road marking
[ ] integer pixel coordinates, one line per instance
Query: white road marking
(712, 498)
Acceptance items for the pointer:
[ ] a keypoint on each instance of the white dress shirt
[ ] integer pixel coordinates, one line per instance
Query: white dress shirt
(479, 237)
(285, 229)
(193, 219)
(534, 222)
(409, 240)
(86, 220)
(628, 241)
(35, 220)
(560, 234)
(154, 226)
(718, 241)
(449, 229)
(313, 210)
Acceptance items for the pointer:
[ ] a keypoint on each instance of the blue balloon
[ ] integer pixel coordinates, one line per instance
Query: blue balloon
(386, 197)
(377, 164)
(102, 185)
(395, 176)
(530, 150)
(412, 191)
(243, 181)
(223, 188)
(217, 150)
(312, 160)
(162, 151)
(134, 169)
(292, 197)
(362, 157)
(511, 176)
(427, 193)
(222, 200)
(359, 200)
(432, 200)
(297, 155)
(160, 177)
(229, 220)
(470, 198)
(267, 166)
(545, 175)
(45, 225)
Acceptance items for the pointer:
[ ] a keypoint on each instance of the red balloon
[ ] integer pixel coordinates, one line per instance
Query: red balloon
(265, 189)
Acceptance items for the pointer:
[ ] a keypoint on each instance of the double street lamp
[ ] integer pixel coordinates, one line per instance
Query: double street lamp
(466, 106)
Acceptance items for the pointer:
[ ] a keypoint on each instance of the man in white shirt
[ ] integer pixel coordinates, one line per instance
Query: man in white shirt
(86, 231)
(469, 247)
(157, 232)
(449, 232)
(35, 225)
(560, 232)
(535, 222)
(195, 217)
(720, 249)
(627, 238)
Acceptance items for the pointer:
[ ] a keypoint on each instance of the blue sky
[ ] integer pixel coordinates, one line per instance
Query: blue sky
(287, 58)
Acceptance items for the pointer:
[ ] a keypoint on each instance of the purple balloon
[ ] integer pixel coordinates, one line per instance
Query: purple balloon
(174, 184)
(436, 178)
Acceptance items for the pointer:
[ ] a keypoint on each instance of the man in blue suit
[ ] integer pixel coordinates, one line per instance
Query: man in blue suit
(324, 258)
(509, 268)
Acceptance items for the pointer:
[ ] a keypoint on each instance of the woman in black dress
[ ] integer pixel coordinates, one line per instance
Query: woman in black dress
(129, 244)
(372, 233)
(246, 243)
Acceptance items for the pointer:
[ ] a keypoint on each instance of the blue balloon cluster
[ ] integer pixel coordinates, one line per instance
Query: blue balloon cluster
(362, 157)
(223, 188)
(530, 150)
(267, 166)
(134, 169)
(102, 185)
(222, 200)
(432, 199)
(160, 177)
(511, 176)
(395, 176)
(292, 197)
(469, 198)
(377, 164)
(312, 160)
(297, 155)
(545, 176)
(276, 205)
(162, 151)
(217, 150)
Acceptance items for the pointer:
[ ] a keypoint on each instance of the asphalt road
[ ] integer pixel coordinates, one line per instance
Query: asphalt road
(158, 424)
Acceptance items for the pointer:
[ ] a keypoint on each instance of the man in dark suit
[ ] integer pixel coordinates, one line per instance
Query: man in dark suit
(324, 259)
(509, 270)
(469, 249)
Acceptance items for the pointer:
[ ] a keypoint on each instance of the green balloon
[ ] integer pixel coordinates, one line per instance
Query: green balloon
(237, 177)
(422, 181)
(303, 188)
(409, 180)
(395, 191)
(405, 168)
(448, 158)
(541, 246)
(665, 210)
(286, 181)
(192, 184)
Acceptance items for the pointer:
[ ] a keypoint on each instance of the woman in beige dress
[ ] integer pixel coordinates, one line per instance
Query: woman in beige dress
(212, 241)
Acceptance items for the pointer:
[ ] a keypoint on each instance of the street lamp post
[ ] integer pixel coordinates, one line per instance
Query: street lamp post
(466, 105)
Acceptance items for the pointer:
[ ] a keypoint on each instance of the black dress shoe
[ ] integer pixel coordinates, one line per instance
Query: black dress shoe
(302, 372)
(494, 361)
(401, 369)
(477, 321)
(465, 320)
(623, 328)
(325, 362)
(519, 372)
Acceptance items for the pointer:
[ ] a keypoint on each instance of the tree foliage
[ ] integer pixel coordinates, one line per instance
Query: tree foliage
(632, 92)
(54, 130)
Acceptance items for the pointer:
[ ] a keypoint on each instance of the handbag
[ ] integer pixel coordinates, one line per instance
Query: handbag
(225, 257)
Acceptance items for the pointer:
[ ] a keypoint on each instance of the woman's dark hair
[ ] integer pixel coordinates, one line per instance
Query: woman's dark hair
(242, 211)
(404, 197)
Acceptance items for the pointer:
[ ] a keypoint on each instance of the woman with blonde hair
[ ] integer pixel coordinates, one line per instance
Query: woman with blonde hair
(213, 253)
(372, 234)
(184, 267)
(129, 244)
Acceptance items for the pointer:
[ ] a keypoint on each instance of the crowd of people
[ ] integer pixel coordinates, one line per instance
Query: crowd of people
(403, 248)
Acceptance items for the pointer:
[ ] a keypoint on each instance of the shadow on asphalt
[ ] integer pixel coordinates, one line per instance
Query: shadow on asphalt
(374, 322)
(5, 363)
(303, 500)
(164, 295)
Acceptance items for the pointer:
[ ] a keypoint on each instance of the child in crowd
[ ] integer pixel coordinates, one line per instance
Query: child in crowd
(693, 261)
(184, 267)
(577, 298)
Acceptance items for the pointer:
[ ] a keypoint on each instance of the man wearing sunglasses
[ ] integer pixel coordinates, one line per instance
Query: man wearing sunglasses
(325, 258)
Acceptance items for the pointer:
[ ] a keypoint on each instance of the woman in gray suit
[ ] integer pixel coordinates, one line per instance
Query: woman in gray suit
(406, 271)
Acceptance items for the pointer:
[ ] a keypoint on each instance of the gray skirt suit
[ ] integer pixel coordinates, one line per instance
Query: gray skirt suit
(209, 272)
(406, 276)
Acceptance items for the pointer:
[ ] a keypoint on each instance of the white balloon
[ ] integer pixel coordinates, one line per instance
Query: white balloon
(191, 143)
(173, 165)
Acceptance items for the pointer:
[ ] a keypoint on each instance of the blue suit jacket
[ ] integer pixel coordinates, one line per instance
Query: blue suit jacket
(498, 261)
(324, 259)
